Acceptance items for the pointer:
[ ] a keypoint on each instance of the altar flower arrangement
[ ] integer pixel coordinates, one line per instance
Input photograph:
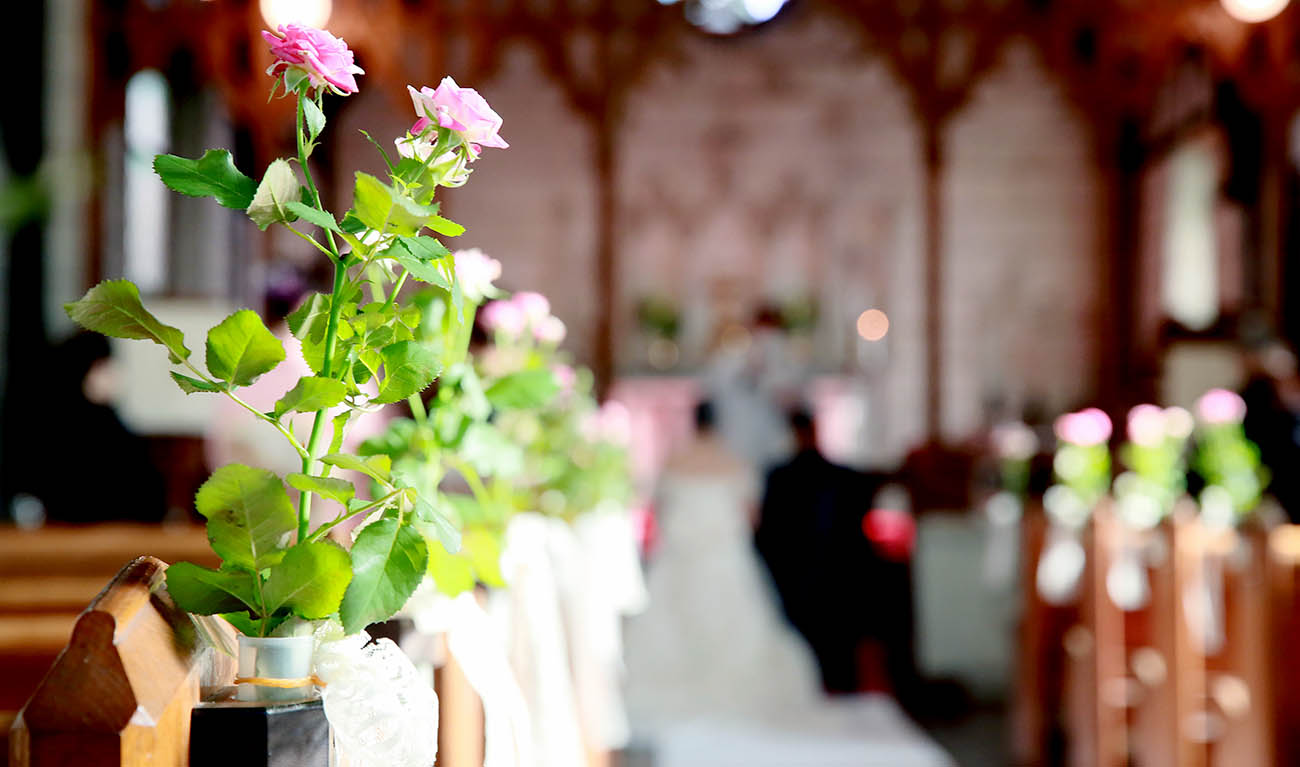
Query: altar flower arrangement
(367, 347)
(1226, 460)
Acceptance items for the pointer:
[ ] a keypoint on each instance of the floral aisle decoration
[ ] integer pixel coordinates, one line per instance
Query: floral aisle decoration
(366, 346)
(1234, 480)
(1226, 460)
(1014, 447)
(1155, 477)
(1082, 471)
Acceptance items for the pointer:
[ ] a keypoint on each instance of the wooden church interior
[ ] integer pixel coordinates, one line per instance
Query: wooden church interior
(988, 211)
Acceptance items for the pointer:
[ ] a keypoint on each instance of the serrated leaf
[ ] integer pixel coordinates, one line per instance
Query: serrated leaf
(376, 466)
(315, 118)
(334, 489)
(385, 209)
(434, 523)
(340, 423)
(212, 175)
(310, 580)
(424, 258)
(201, 591)
(522, 390)
(278, 189)
(250, 517)
(313, 215)
(241, 349)
(309, 323)
(113, 308)
(310, 394)
(388, 562)
(409, 367)
(192, 385)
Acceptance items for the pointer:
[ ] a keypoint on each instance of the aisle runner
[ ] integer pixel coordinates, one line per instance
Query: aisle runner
(865, 731)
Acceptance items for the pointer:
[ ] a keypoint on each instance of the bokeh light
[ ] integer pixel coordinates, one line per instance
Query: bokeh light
(309, 13)
(873, 324)
(1254, 11)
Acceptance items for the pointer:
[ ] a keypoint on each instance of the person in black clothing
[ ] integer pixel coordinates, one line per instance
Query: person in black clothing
(810, 536)
(1272, 397)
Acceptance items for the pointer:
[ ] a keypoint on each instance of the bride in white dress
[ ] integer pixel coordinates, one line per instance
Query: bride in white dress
(715, 674)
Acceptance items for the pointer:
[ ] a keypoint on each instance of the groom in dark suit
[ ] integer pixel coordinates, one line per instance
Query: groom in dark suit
(810, 536)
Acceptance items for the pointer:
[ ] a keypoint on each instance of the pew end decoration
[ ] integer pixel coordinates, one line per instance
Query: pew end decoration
(294, 592)
(1226, 460)
(1082, 471)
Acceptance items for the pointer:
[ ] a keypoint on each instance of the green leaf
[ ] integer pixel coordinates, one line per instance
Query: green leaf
(310, 580)
(240, 349)
(315, 118)
(310, 394)
(340, 430)
(523, 390)
(483, 548)
(113, 308)
(376, 466)
(409, 367)
(425, 259)
(202, 591)
(192, 385)
(309, 323)
(385, 209)
(279, 188)
(451, 573)
(388, 562)
(250, 517)
(212, 175)
(334, 489)
(445, 226)
(435, 524)
(315, 216)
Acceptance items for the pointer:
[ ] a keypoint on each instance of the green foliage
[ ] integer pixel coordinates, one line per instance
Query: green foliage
(250, 518)
(279, 189)
(310, 394)
(376, 467)
(314, 215)
(388, 562)
(193, 385)
(241, 349)
(212, 175)
(113, 308)
(310, 581)
(326, 487)
(409, 368)
(523, 390)
(202, 591)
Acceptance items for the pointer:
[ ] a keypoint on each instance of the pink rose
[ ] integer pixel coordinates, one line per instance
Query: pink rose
(1147, 426)
(534, 306)
(324, 58)
(1085, 428)
(459, 109)
(1220, 406)
(504, 316)
(476, 272)
(550, 330)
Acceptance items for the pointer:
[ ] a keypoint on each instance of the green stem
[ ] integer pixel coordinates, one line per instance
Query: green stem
(392, 298)
(324, 529)
(417, 408)
(302, 451)
(331, 330)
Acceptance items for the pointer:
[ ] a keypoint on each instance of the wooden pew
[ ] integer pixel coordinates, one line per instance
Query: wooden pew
(121, 691)
(49, 575)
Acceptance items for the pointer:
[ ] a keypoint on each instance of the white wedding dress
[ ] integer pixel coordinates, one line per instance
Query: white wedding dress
(715, 674)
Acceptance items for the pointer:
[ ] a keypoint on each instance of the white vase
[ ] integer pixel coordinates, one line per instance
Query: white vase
(275, 658)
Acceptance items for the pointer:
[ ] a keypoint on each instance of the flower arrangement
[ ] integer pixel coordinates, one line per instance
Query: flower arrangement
(1081, 466)
(1226, 460)
(1154, 455)
(366, 346)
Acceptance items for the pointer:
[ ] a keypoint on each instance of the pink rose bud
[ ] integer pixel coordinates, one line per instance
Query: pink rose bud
(1220, 406)
(550, 330)
(1085, 428)
(462, 110)
(534, 306)
(505, 317)
(1147, 426)
(324, 58)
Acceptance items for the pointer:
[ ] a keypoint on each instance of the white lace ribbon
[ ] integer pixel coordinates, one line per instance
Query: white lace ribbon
(382, 711)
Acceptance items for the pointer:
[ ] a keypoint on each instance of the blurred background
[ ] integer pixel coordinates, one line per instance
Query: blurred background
(914, 219)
